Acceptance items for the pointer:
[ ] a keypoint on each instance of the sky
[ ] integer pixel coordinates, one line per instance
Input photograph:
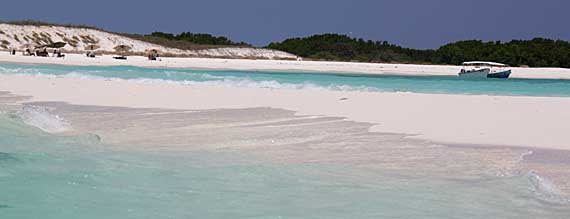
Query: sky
(410, 23)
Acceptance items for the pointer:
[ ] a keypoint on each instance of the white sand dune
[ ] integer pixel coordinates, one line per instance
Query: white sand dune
(77, 39)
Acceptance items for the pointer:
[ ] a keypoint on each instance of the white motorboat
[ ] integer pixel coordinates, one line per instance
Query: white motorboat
(479, 69)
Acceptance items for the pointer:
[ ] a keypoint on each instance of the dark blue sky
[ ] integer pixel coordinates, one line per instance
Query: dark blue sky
(412, 23)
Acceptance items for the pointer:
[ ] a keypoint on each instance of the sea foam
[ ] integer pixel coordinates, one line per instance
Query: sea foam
(545, 189)
(43, 119)
(218, 81)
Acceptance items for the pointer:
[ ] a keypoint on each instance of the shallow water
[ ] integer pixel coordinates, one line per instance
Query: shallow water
(66, 161)
(292, 80)
(44, 175)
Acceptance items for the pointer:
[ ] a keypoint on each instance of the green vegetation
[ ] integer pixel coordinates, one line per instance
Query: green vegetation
(88, 39)
(4, 44)
(179, 44)
(198, 38)
(187, 41)
(41, 38)
(537, 52)
(71, 42)
(42, 23)
(344, 48)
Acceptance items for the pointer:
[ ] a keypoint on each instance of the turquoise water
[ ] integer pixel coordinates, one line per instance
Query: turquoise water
(44, 175)
(47, 176)
(386, 83)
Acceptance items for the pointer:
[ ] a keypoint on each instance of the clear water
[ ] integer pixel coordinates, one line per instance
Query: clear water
(384, 83)
(48, 176)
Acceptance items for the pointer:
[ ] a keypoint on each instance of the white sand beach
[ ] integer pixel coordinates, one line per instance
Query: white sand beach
(274, 109)
(278, 65)
(178, 132)
(461, 119)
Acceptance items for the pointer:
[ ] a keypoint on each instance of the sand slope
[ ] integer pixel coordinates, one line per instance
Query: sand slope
(77, 39)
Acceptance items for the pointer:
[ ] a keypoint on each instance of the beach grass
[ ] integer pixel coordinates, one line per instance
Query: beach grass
(178, 44)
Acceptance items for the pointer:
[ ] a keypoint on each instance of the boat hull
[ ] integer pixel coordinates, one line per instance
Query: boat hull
(503, 74)
(475, 74)
(485, 73)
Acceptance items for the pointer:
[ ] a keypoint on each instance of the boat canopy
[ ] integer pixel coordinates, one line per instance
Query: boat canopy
(479, 63)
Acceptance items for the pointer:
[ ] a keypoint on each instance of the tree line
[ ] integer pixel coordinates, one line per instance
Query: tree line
(538, 52)
(198, 38)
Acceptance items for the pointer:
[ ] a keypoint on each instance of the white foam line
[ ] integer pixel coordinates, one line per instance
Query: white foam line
(228, 81)
(43, 119)
(546, 189)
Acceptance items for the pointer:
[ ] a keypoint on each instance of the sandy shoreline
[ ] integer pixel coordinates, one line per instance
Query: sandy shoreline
(464, 119)
(503, 136)
(278, 65)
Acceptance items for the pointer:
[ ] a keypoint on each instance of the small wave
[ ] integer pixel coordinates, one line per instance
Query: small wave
(523, 155)
(219, 81)
(7, 157)
(197, 75)
(190, 78)
(19, 70)
(545, 189)
(43, 119)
